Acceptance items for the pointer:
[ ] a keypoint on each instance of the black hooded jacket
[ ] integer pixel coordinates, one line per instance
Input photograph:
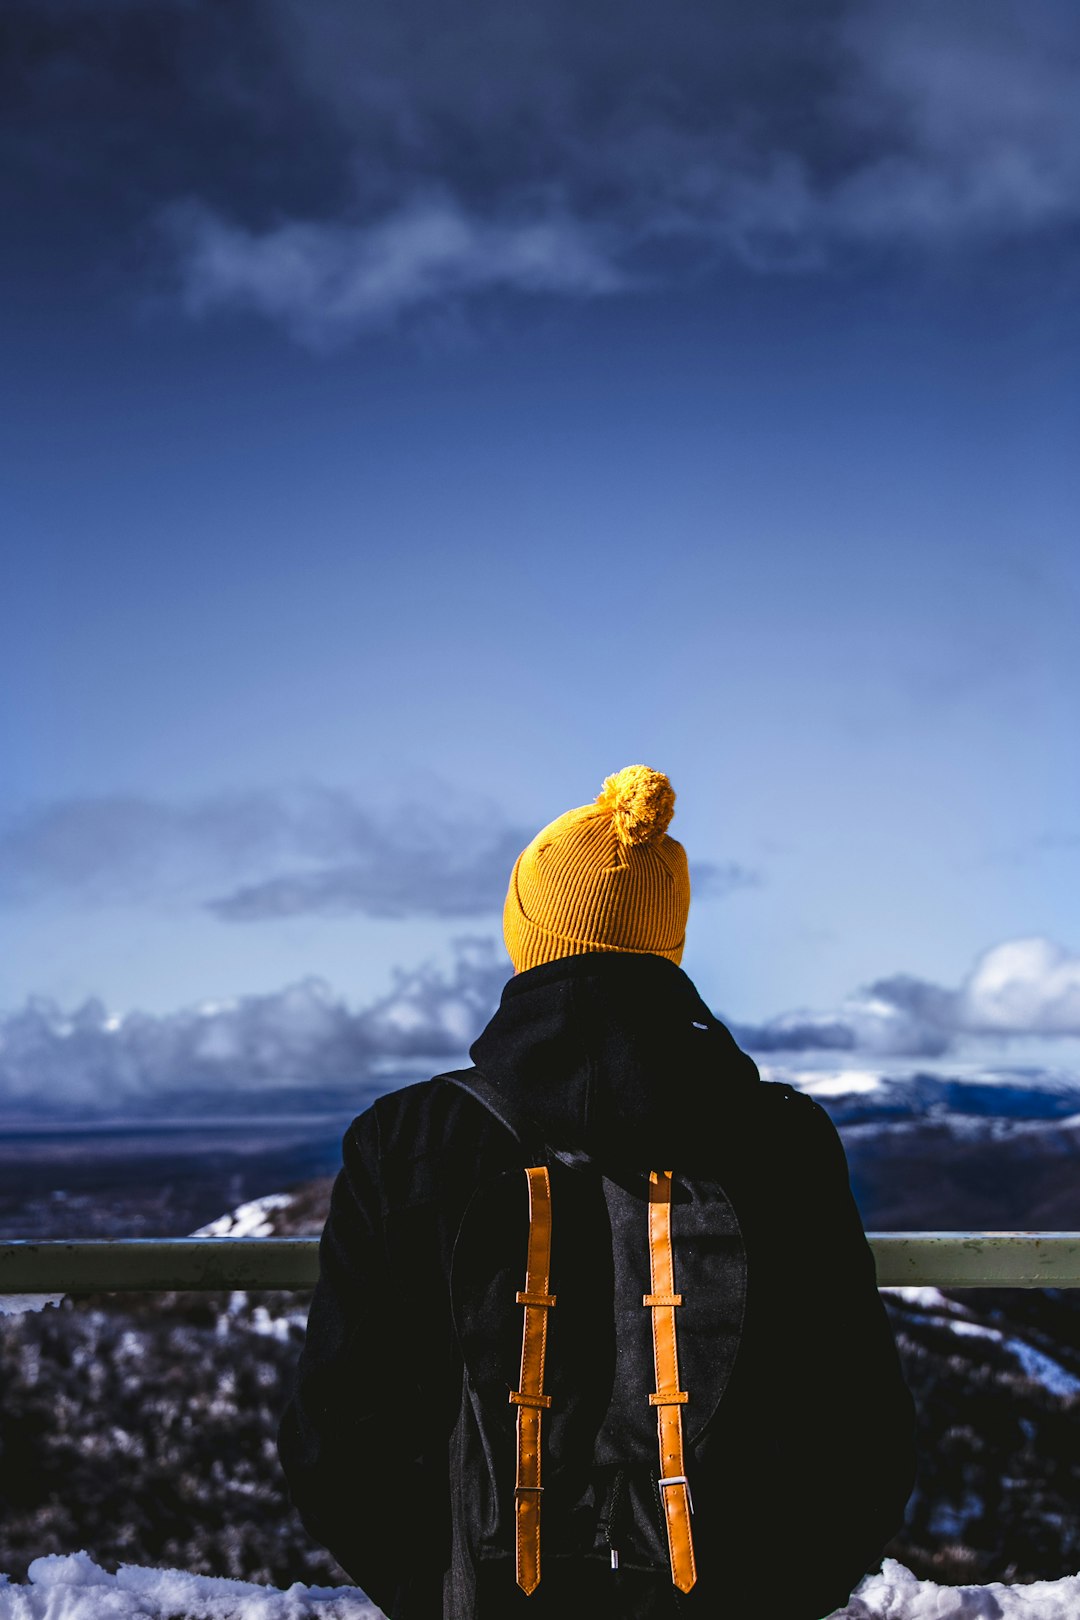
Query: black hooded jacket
(610, 1058)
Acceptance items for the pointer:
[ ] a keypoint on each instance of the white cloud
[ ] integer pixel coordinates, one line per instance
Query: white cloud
(971, 117)
(1021, 988)
(548, 156)
(1025, 986)
(331, 278)
(304, 1036)
(307, 1036)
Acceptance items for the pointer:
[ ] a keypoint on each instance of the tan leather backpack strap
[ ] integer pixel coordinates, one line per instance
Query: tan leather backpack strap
(530, 1399)
(668, 1398)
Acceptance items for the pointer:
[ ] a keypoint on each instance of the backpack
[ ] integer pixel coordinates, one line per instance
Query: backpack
(598, 1315)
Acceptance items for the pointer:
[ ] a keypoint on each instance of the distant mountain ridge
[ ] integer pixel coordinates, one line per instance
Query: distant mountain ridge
(942, 1145)
(861, 1096)
(956, 1147)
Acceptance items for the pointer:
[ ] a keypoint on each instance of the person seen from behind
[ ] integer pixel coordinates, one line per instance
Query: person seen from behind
(597, 1329)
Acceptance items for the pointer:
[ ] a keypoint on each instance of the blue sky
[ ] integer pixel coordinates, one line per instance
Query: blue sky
(409, 425)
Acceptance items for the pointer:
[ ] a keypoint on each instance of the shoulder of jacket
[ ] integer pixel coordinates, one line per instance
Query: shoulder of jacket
(784, 1101)
(424, 1144)
(417, 1116)
(774, 1092)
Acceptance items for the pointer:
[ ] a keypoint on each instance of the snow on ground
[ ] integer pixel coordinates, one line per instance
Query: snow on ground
(896, 1594)
(16, 1304)
(929, 1305)
(247, 1220)
(259, 1320)
(75, 1588)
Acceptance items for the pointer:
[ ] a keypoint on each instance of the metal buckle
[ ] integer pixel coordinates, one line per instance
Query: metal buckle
(680, 1479)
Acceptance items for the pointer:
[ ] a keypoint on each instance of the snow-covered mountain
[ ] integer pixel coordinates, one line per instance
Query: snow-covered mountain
(951, 1094)
(953, 1145)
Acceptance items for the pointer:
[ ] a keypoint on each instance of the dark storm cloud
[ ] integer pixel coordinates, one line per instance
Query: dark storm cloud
(337, 168)
(309, 852)
(450, 877)
(391, 878)
(123, 847)
(930, 1005)
(795, 1033)
(877, 1029)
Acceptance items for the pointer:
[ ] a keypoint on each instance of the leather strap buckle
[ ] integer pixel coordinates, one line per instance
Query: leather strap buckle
(679, 1479)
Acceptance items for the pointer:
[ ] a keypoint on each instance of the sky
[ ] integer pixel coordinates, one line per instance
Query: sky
(410, 421)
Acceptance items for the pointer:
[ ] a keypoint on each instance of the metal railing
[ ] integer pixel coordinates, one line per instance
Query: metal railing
(938, 1259)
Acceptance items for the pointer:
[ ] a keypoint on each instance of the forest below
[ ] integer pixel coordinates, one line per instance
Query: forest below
(142, 1428)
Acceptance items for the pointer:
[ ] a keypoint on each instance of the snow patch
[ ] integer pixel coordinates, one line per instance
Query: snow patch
(1044, 1370)
(922, 1297)
(73, 1587)
(16, 1304)
(896, 1594)
(929, 1306)
(247, 1220)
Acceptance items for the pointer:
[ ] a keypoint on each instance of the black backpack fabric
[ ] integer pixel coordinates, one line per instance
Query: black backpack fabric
(398, 1442)
(601, 1515)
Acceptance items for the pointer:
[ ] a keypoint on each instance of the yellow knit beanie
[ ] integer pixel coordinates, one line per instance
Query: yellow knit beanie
(605, 877)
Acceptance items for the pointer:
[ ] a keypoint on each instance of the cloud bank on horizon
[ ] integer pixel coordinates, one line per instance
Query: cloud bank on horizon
(306, 1037)
(1020, 988)
(302, 1036)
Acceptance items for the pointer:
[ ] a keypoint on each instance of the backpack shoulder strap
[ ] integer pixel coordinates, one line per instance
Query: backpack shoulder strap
(530, 1400)
(668, 1398)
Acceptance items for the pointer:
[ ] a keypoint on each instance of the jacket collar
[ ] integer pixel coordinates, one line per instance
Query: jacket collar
(607, 1053)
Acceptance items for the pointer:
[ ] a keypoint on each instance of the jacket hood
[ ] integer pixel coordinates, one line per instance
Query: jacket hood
(608, 1055)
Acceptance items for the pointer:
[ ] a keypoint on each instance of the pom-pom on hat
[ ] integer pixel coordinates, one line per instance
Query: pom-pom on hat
(604, 877)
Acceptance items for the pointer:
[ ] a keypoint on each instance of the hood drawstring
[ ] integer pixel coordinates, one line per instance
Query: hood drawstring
(609, 1514)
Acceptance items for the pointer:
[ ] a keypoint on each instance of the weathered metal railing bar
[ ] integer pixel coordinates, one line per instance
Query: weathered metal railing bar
(977, 1259)
(939, 1259)
(150, 1264)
